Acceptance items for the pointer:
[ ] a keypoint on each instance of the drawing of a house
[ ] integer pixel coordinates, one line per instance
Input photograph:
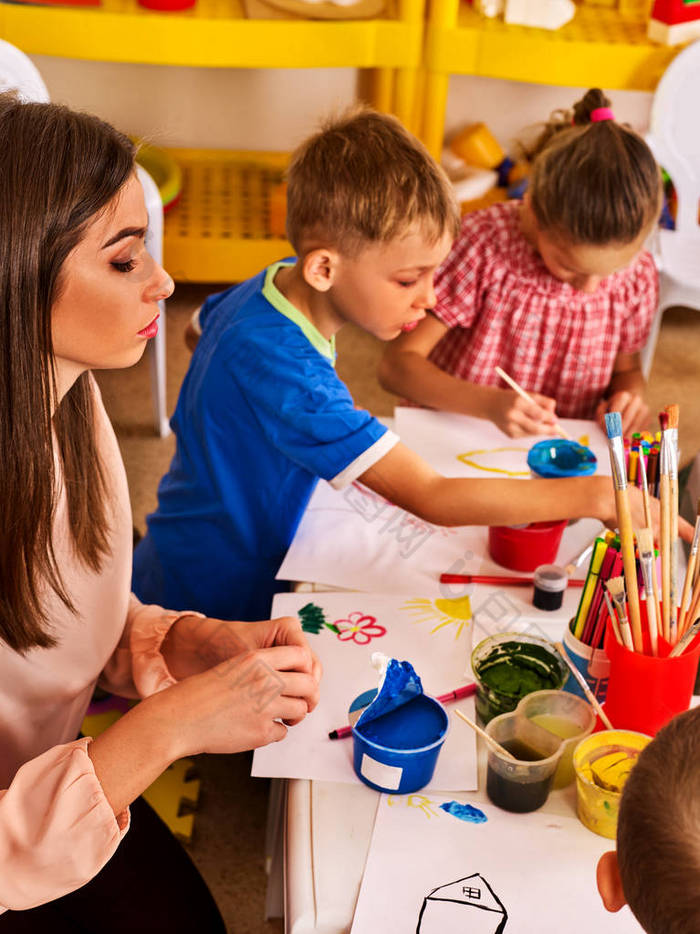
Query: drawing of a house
(467, 906)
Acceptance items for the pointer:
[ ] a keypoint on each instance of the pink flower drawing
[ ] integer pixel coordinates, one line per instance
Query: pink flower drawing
(359, 628)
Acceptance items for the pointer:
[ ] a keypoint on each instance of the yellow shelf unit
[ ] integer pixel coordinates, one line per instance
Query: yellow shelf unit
(597, 48)
(214, 33)
(219, 231)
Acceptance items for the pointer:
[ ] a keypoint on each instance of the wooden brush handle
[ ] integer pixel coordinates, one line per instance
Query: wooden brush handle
(665, 546)
(624, 521)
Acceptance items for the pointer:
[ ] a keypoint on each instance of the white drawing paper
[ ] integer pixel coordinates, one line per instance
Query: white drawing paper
(357, 539)
(434, 635)
(430, 872)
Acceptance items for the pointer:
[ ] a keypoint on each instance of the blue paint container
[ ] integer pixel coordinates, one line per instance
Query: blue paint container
(397, 752)
(558, 457)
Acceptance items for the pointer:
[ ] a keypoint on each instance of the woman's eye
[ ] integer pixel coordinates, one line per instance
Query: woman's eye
(407, 285)
(124, 267)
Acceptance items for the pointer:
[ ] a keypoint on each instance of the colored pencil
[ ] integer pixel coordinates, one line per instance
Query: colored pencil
(525, 395)
(466, 690)
(489, 741)
(504, 580)
(613, 427)
(599, 550)
(590, 696)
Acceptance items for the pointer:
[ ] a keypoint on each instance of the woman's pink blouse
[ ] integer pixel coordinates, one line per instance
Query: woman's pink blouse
(57, 829)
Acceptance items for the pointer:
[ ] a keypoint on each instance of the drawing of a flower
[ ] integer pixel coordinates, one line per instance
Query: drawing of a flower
(359, 628)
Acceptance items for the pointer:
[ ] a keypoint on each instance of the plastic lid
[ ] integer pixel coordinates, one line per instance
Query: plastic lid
(558, 457)
(550, 577)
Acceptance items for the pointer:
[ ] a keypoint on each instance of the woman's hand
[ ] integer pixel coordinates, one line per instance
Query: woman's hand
(517, 417)
(195, 644)
(238, 704)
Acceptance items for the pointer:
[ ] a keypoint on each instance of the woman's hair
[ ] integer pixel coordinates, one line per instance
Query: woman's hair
(57, 170)
(658, 830)
(364, 179)
(595, 182)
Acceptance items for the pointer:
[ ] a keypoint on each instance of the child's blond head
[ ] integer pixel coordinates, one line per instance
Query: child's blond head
(658, 831)
(593, 181)
(364, 179)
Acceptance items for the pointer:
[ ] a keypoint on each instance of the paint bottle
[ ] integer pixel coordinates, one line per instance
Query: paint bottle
(550, 582)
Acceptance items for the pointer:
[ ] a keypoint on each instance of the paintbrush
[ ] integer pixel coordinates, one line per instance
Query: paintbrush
(613, 617)
(586, 552)
(490, 741)
(665, 458)
(648, 522)
(590, 696)
(613, 427)
(526, 395)
(672, 411)
(694, 601)
(683, 643)
(645, 540)
(616, 589)
(683, 620)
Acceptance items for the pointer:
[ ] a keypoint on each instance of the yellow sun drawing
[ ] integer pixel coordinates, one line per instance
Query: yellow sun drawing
(468, 459)
(445, 611)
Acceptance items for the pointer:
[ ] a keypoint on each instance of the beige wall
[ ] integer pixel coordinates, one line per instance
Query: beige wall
(273, 109)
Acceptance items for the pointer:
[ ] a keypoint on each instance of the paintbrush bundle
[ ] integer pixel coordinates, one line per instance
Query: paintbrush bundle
(625, 568)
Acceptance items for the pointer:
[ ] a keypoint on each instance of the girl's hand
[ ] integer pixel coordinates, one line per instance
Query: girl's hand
(238, 704)
(517, 417)
(632, 408)
(636, 501)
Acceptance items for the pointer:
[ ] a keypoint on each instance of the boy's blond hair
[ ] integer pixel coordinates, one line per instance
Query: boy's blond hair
(364, 179)
(658, 831)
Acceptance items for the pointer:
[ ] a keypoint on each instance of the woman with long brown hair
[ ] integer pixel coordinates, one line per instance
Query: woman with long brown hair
(78, 291)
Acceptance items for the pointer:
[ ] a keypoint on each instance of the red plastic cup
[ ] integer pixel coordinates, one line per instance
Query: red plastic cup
(524, 549)
(645, 692)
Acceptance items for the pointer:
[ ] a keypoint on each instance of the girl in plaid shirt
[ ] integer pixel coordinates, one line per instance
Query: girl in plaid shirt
(556, 290)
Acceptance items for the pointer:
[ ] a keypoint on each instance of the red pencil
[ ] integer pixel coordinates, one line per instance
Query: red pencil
(505, 580)
(465, 691)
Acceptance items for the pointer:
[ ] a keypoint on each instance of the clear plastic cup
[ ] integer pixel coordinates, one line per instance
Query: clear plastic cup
(540, 664)
(523, 784)
(566, 716)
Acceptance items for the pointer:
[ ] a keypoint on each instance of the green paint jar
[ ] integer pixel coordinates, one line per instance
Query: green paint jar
(511, 665)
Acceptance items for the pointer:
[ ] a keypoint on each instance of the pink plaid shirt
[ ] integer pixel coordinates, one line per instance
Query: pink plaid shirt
(504, 308)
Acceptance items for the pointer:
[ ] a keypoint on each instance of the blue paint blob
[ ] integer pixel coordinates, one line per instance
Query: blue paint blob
(558, 457)
(464, 812)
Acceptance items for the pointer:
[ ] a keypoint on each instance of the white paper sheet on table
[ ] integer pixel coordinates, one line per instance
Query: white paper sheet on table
(432, 635)
(358, 540)
(515, 873)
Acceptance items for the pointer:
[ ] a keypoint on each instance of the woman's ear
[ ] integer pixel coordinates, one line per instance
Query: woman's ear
(319, 268)
(609, 882)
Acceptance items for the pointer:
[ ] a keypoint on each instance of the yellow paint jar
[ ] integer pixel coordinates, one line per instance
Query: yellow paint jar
(602, 762)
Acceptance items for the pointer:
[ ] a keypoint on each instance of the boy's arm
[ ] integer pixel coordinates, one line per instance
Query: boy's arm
(403, 478)
(625, 394)
(193, 331)
(406, 371)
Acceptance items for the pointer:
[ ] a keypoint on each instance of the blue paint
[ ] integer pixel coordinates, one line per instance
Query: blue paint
(558, 457)
(413, 725)
(464, 812)
(400, 685)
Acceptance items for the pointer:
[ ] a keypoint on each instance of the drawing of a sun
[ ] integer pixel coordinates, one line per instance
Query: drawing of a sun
(445, 611)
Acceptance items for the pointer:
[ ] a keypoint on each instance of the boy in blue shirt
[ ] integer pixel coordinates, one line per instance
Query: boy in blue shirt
(262, 414)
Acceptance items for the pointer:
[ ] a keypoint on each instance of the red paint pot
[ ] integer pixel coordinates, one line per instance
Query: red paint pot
(525, 548)
(645, 692)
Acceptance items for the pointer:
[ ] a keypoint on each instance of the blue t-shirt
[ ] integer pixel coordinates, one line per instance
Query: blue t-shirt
(261, 415)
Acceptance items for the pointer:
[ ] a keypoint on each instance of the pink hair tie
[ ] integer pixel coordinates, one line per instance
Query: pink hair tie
(601, 113)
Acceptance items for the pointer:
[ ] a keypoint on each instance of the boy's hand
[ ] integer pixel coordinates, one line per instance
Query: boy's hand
(517, 417)
(685, 529)
(632, 408)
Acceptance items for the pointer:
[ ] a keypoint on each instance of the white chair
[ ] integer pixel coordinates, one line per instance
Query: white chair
(18, 72)
(674, 138)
